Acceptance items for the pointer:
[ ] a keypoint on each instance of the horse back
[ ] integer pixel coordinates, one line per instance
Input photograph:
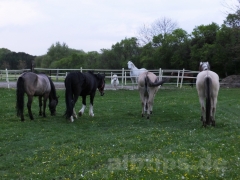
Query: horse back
(35, 84)
(74, 82)
(90, 84)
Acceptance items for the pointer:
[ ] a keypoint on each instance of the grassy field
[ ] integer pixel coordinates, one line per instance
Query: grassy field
(117, 143)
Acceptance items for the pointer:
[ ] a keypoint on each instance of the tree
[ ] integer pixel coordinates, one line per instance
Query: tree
(203, 37)
(160, 26)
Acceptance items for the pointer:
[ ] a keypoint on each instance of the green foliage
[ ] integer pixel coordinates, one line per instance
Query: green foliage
(13, 60)
(170, 49)
(118, 143)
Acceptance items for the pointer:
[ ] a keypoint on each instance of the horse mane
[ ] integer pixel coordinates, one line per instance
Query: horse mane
(91, 72)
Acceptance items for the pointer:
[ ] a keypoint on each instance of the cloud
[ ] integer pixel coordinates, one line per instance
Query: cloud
(19, 13)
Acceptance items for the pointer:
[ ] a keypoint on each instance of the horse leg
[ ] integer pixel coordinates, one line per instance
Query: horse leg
(142, 108)
(81, 111)
(146, 106)
(91, 105)
(29, 103)
(150, 102)
(45, 97)
(141, 91)
(74, 113)
(40, 105)
(203, 109)
(132, 79)
(213, 111)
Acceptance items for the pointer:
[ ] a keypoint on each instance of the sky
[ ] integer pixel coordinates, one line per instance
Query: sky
(32, 26)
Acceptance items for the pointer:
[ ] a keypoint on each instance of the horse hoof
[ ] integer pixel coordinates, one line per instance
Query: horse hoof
(150, 112)
(92, 115)
(71, 119)
(213, 123)
(147, 117)
(80, 113)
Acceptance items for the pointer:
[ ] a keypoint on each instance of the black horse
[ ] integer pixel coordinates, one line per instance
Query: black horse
(82, 84)
(35, 85)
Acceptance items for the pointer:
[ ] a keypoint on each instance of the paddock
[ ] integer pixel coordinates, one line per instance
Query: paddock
(118, 143)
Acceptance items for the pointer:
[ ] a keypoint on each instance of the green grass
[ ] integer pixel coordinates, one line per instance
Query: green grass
(117, 143)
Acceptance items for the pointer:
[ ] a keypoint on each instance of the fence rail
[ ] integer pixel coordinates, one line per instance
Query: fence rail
(177, 76)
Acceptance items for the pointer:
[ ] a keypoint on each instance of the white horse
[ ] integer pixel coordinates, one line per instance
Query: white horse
(115, 81)
(134, 72)
(207, 86)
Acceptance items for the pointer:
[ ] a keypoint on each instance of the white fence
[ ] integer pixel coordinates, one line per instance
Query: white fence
(177, 76)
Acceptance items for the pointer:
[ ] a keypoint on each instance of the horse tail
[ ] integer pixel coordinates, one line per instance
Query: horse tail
(69, 96)
(146, 89)
(20, 96)
(208, 89)
(157, 83)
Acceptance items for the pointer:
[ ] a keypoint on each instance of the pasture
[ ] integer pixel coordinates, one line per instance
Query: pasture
(117, 143)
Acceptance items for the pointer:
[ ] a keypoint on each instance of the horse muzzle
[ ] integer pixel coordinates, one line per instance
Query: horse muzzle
(101, 93)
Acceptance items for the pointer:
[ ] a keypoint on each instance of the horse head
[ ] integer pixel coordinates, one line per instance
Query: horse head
(130, 65)
(101, 84)
(52, 106)
(204, 66)
(114, 77)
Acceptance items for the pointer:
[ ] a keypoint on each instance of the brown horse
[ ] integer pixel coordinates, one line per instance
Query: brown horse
(148, 86)
(35, 85)
(207, 86)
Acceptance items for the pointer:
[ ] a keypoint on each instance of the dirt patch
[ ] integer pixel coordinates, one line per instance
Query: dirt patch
(232, 81)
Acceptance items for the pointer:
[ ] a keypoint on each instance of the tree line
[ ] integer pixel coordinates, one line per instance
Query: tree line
(162, 45)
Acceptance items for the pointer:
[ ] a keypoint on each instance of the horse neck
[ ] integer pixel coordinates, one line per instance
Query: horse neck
(134, 67)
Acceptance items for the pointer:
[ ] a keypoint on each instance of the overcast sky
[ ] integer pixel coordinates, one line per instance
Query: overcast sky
(32, 26)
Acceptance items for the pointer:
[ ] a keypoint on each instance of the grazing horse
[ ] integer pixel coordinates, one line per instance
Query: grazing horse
(134, 72)
(207, 86)
(82, 84)
(148, 86)
(35, 85)
(115, 81)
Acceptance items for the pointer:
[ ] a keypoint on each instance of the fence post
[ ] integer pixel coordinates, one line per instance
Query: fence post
(7, 78)
(160, 74)
(81, 69)
(125, 78)
(182, 78)
(122, 76)
(178, 78)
